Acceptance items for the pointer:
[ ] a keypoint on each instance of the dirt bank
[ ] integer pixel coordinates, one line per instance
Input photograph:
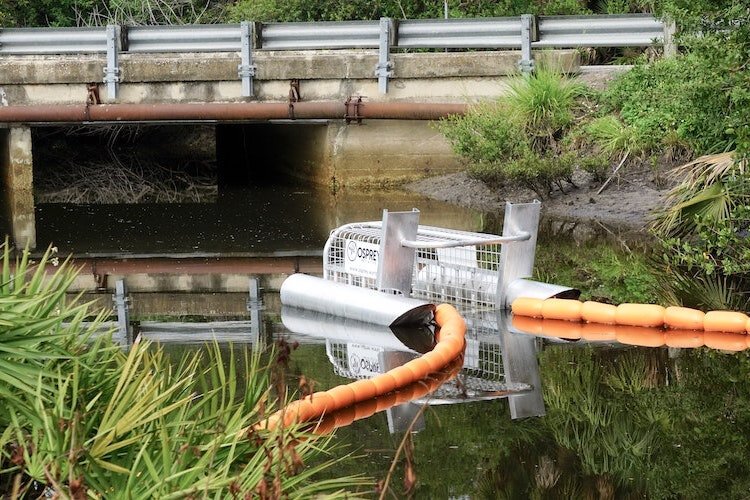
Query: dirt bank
(628, 200)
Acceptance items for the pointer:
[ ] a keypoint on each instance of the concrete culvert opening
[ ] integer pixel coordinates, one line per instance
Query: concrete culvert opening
(129, 163)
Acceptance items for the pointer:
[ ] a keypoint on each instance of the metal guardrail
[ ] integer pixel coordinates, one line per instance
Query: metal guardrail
(524, 33)
(320, 35)
(604, 31)
(188, 38)
(500, 33)
(33, 41)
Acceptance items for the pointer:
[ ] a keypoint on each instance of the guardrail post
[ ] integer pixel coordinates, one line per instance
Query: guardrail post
(670, 28)
(246, 69)
(112, 70)
(384, 69)
(123, 311)
(528, 35)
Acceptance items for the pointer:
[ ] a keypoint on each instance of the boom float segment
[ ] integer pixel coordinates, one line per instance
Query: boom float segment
(632, 335)
(407, 379)
(641, 315)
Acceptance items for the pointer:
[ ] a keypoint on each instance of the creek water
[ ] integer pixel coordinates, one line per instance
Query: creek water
(592, 420)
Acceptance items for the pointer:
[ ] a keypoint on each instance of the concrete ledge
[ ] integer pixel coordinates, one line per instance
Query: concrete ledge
(303, 65)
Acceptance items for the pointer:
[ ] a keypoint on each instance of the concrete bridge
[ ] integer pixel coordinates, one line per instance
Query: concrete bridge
(193, 74)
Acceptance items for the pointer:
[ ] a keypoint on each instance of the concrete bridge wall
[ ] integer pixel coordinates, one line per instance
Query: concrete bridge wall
(323, 75)
(331, 152)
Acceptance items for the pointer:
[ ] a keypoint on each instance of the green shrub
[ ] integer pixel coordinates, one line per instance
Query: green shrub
(518, 138)
(489, 133)
(541, 173)
(596, 165)
(492, 174)
(338, 10)
(669, 97)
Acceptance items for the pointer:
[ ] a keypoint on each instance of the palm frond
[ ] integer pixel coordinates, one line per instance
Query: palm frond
(702, 194)
(708, 169)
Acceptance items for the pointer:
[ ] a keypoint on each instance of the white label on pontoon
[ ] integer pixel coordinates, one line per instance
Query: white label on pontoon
(361, 258)
(364, 360)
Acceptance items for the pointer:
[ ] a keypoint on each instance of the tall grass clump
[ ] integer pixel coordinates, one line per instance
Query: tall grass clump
(82, 417)
(517, 139)
(543, 104)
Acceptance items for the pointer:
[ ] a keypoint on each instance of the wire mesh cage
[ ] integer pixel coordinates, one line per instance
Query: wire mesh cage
(463, 275)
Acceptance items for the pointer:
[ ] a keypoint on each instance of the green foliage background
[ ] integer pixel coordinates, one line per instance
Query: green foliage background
(27, 13)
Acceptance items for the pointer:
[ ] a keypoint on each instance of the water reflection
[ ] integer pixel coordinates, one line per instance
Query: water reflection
(620, 421)
(249, 221)
(497, 364)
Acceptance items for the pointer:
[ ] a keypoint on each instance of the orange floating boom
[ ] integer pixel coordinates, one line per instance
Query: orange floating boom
(450, 345)
(642, 315)
(632, 335)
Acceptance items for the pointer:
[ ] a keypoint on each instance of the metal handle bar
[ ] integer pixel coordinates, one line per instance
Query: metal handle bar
(522, 236)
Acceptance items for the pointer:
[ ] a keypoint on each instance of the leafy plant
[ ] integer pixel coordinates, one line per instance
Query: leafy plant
(541, 173)
(84, 418)
(489, 134)
(597, 165)
(704, 234)
(37, 326)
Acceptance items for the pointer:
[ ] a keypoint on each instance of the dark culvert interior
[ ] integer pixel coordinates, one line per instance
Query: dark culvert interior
(177, 189)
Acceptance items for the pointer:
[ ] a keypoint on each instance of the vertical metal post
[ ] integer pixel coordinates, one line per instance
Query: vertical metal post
(123, 312)
(384, 69)
(670, 28)
(395, 261)
(246, 69)
(520, 366)
(517, 258)
(255, 306)
(528, 35)
(112, 70)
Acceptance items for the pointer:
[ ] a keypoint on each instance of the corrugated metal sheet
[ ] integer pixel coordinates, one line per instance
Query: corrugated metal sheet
(501, 33)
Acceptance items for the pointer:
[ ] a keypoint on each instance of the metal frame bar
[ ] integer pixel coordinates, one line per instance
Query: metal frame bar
(396, 262)
(521, 236)
(517, 261)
